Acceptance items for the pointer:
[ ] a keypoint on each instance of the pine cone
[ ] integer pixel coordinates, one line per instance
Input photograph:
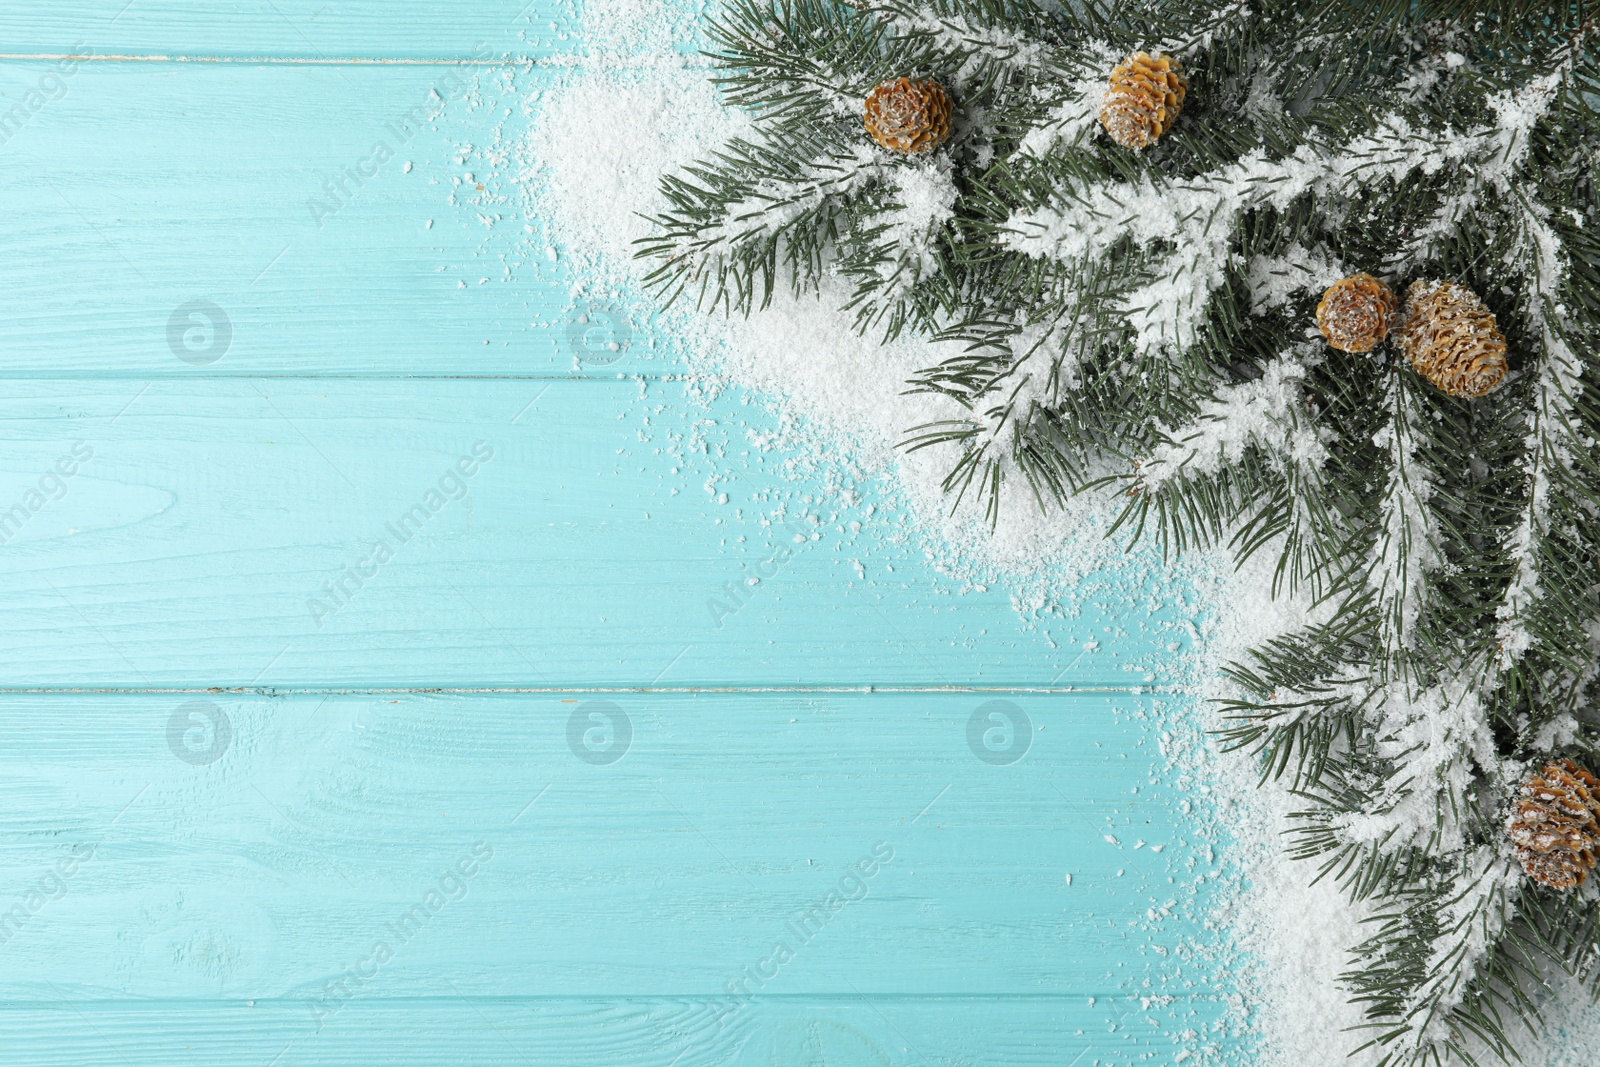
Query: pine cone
(1145, 97)
(1452, 339)
(908, 116)
(1554, 827)
(1357, 313)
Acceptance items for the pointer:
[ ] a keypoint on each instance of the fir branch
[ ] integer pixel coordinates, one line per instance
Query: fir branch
(1142, 322)
(1408, 545)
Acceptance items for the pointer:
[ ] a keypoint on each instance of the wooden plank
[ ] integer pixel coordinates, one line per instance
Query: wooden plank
(308, 29)
(216, 907)
(330, 216)
(228, 848)
(245, 533)
(580, 1032)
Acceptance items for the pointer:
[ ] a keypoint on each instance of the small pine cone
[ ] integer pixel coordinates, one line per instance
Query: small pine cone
(1555, 827)
(1145, 97)
(1452, 339)
(908, 116)
(1357, 313)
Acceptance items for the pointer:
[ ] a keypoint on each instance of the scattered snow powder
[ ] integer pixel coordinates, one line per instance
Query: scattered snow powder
(639, 104)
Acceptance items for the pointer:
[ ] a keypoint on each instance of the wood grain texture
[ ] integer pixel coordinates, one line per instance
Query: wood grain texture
(259, 849)
(772, 1032)
(281, 195)
(203, 877)
(292, 29)
(247, 533)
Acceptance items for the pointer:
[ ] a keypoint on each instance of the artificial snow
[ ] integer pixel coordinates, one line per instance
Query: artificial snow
(639, 104)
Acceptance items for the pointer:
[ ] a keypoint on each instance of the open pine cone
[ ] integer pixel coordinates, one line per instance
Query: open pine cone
(908, 116)
(1145, 97)
(1452, 339)
(1355, 314)
(1555, 827)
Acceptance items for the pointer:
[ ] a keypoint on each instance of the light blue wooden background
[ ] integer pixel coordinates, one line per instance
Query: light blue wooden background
(188, 892)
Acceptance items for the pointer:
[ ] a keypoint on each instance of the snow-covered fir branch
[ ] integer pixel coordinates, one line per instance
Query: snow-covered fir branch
(982, 46)
(773, 204)
(923, 198)
(1408, 546)
(1497, 159)
(1195, 220)
(1554, 441)
(1478, 901)
(1075, 113)
(1435, 741)
(1208, 28)
(1148, 319)
(1268, 414)
(1276, 280)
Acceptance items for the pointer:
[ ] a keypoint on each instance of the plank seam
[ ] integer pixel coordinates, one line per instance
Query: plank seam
(1048, 690)
(124, 376)
(209, 1002)
(290, 61)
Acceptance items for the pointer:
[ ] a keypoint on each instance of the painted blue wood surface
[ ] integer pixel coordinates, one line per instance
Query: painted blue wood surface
(239, 852)
(215, 906)
(203, 181)
(264, 532)
(292, 29)
(656, 859)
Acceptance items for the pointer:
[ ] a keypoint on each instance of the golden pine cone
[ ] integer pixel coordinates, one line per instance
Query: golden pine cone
(908, 116)
(1554, 828)
(1452, 339)
(1145, 97)
(1356, 313)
